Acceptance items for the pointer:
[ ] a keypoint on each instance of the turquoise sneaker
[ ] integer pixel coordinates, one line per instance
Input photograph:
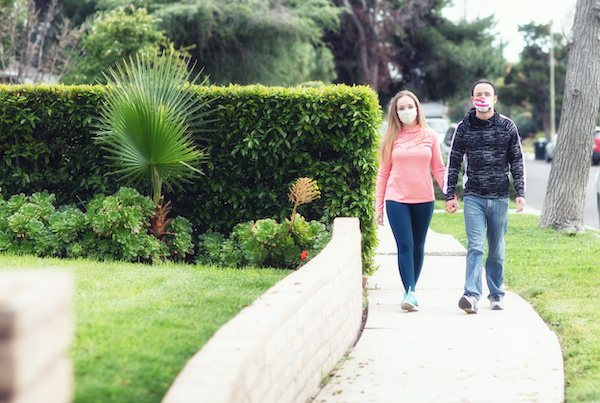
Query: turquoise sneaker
(410, 301)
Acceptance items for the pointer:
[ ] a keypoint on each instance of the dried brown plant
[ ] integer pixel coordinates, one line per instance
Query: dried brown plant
(303, 191)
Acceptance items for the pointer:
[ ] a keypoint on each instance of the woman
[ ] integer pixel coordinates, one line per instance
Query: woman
(409, 153)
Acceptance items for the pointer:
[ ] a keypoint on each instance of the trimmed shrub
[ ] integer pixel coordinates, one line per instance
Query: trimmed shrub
(261, 140)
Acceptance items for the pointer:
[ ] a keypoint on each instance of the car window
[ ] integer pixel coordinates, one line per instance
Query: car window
(449, 133)
(439, 126)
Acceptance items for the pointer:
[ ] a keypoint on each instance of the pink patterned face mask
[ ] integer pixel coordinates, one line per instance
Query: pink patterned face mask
(483, 104)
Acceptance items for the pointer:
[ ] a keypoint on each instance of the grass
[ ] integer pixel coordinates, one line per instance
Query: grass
(137, 325)
(559, 274)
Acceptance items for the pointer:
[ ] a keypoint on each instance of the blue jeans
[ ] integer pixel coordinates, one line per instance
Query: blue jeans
(409, 223)
(479, 214)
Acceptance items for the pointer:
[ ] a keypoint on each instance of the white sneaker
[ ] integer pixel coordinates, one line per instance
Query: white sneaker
(468, 303)
(496, 303)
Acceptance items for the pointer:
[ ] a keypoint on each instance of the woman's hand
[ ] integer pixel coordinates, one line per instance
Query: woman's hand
(379, 218)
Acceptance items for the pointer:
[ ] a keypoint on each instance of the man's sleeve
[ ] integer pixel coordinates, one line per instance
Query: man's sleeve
(455, 158)
(516, 161)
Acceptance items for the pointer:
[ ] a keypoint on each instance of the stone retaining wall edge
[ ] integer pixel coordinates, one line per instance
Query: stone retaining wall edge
(279, 348)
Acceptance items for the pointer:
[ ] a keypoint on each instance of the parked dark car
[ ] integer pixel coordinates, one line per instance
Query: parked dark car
(449, 134)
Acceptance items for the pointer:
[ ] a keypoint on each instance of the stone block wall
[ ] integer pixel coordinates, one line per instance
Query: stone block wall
(280, 348)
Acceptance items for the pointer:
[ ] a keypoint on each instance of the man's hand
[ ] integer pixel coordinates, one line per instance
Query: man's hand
(452, 206)
(520, 204)
(379, 218)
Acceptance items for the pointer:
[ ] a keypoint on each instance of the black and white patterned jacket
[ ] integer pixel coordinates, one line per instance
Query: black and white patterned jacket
(491, 150)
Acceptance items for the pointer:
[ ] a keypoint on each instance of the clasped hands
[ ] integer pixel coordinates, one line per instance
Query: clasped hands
(452, 205)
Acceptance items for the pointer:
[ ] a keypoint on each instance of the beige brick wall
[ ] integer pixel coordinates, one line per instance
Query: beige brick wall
(279, 348)
(35, 333)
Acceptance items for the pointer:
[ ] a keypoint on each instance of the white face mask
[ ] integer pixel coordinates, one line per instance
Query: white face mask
(483, 104)
(407, 116)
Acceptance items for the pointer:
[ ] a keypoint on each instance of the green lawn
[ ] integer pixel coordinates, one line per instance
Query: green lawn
(559, 274)
(137, 325)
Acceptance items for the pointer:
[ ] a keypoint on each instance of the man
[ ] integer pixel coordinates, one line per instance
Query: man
(490, 142)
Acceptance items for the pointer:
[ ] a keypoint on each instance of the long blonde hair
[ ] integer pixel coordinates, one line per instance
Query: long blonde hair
(394, 125)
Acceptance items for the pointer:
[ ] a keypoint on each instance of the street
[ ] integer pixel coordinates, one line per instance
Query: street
(538, 172)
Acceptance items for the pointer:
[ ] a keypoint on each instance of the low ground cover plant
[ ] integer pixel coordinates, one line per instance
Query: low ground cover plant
(137, 325)
(288, 244)
(116, 227)
(558, 273)
(111, 228)
(265, 243)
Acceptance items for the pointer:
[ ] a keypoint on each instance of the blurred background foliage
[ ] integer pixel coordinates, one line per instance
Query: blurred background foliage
(387, 44)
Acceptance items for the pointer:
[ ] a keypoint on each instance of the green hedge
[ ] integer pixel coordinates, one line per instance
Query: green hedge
(262, 140)
(45, 142)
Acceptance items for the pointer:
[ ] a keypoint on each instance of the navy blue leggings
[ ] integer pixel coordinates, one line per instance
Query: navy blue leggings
(409, 223)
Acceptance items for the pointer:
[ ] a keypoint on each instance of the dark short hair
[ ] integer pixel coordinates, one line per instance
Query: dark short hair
(483, 81)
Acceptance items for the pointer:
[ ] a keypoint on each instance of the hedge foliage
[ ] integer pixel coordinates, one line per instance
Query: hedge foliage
(45, 142)
(261, 140)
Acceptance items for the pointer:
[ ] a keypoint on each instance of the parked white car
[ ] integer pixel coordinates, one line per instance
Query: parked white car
(440, 125)
(550, 150)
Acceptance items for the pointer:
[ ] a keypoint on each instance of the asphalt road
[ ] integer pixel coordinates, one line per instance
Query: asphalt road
(538, 172)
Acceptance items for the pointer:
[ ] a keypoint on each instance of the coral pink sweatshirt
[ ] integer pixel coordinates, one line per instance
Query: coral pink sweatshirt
(407, 179)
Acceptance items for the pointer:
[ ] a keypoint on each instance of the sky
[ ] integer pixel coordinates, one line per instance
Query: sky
(509, 14)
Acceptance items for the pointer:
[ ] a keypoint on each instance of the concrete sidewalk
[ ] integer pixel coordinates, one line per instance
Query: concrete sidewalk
(441, 353)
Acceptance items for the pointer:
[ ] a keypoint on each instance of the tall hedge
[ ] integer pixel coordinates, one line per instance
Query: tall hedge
(262, 139)
(45, 142)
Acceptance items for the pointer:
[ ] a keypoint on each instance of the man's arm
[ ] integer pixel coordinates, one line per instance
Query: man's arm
(517, 165)
(517, 168)
(455, 159)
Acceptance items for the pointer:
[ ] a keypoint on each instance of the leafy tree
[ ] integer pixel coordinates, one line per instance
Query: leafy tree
(78, 11)
(114, 36)
(444, 59)
(36, 44)
(391, 45)
(273, 42)
(527, 83)
(364, 47)
(565, 193)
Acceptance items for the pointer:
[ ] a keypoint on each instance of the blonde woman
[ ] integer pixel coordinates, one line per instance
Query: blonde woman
(408, 155)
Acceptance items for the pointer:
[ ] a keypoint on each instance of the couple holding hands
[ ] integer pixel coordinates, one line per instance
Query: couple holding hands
(410, 153)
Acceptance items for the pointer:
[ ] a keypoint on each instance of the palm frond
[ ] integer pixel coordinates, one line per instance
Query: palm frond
(146, 122)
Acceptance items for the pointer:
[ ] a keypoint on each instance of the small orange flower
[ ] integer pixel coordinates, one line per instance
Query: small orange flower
(304, 255)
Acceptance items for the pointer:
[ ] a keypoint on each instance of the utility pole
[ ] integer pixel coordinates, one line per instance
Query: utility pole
(552, 87)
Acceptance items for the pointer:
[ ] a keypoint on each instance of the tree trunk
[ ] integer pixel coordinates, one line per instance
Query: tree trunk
(565, 194)
(367, 45)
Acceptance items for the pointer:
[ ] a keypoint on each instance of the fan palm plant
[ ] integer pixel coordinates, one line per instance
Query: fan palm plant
(146, 125)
